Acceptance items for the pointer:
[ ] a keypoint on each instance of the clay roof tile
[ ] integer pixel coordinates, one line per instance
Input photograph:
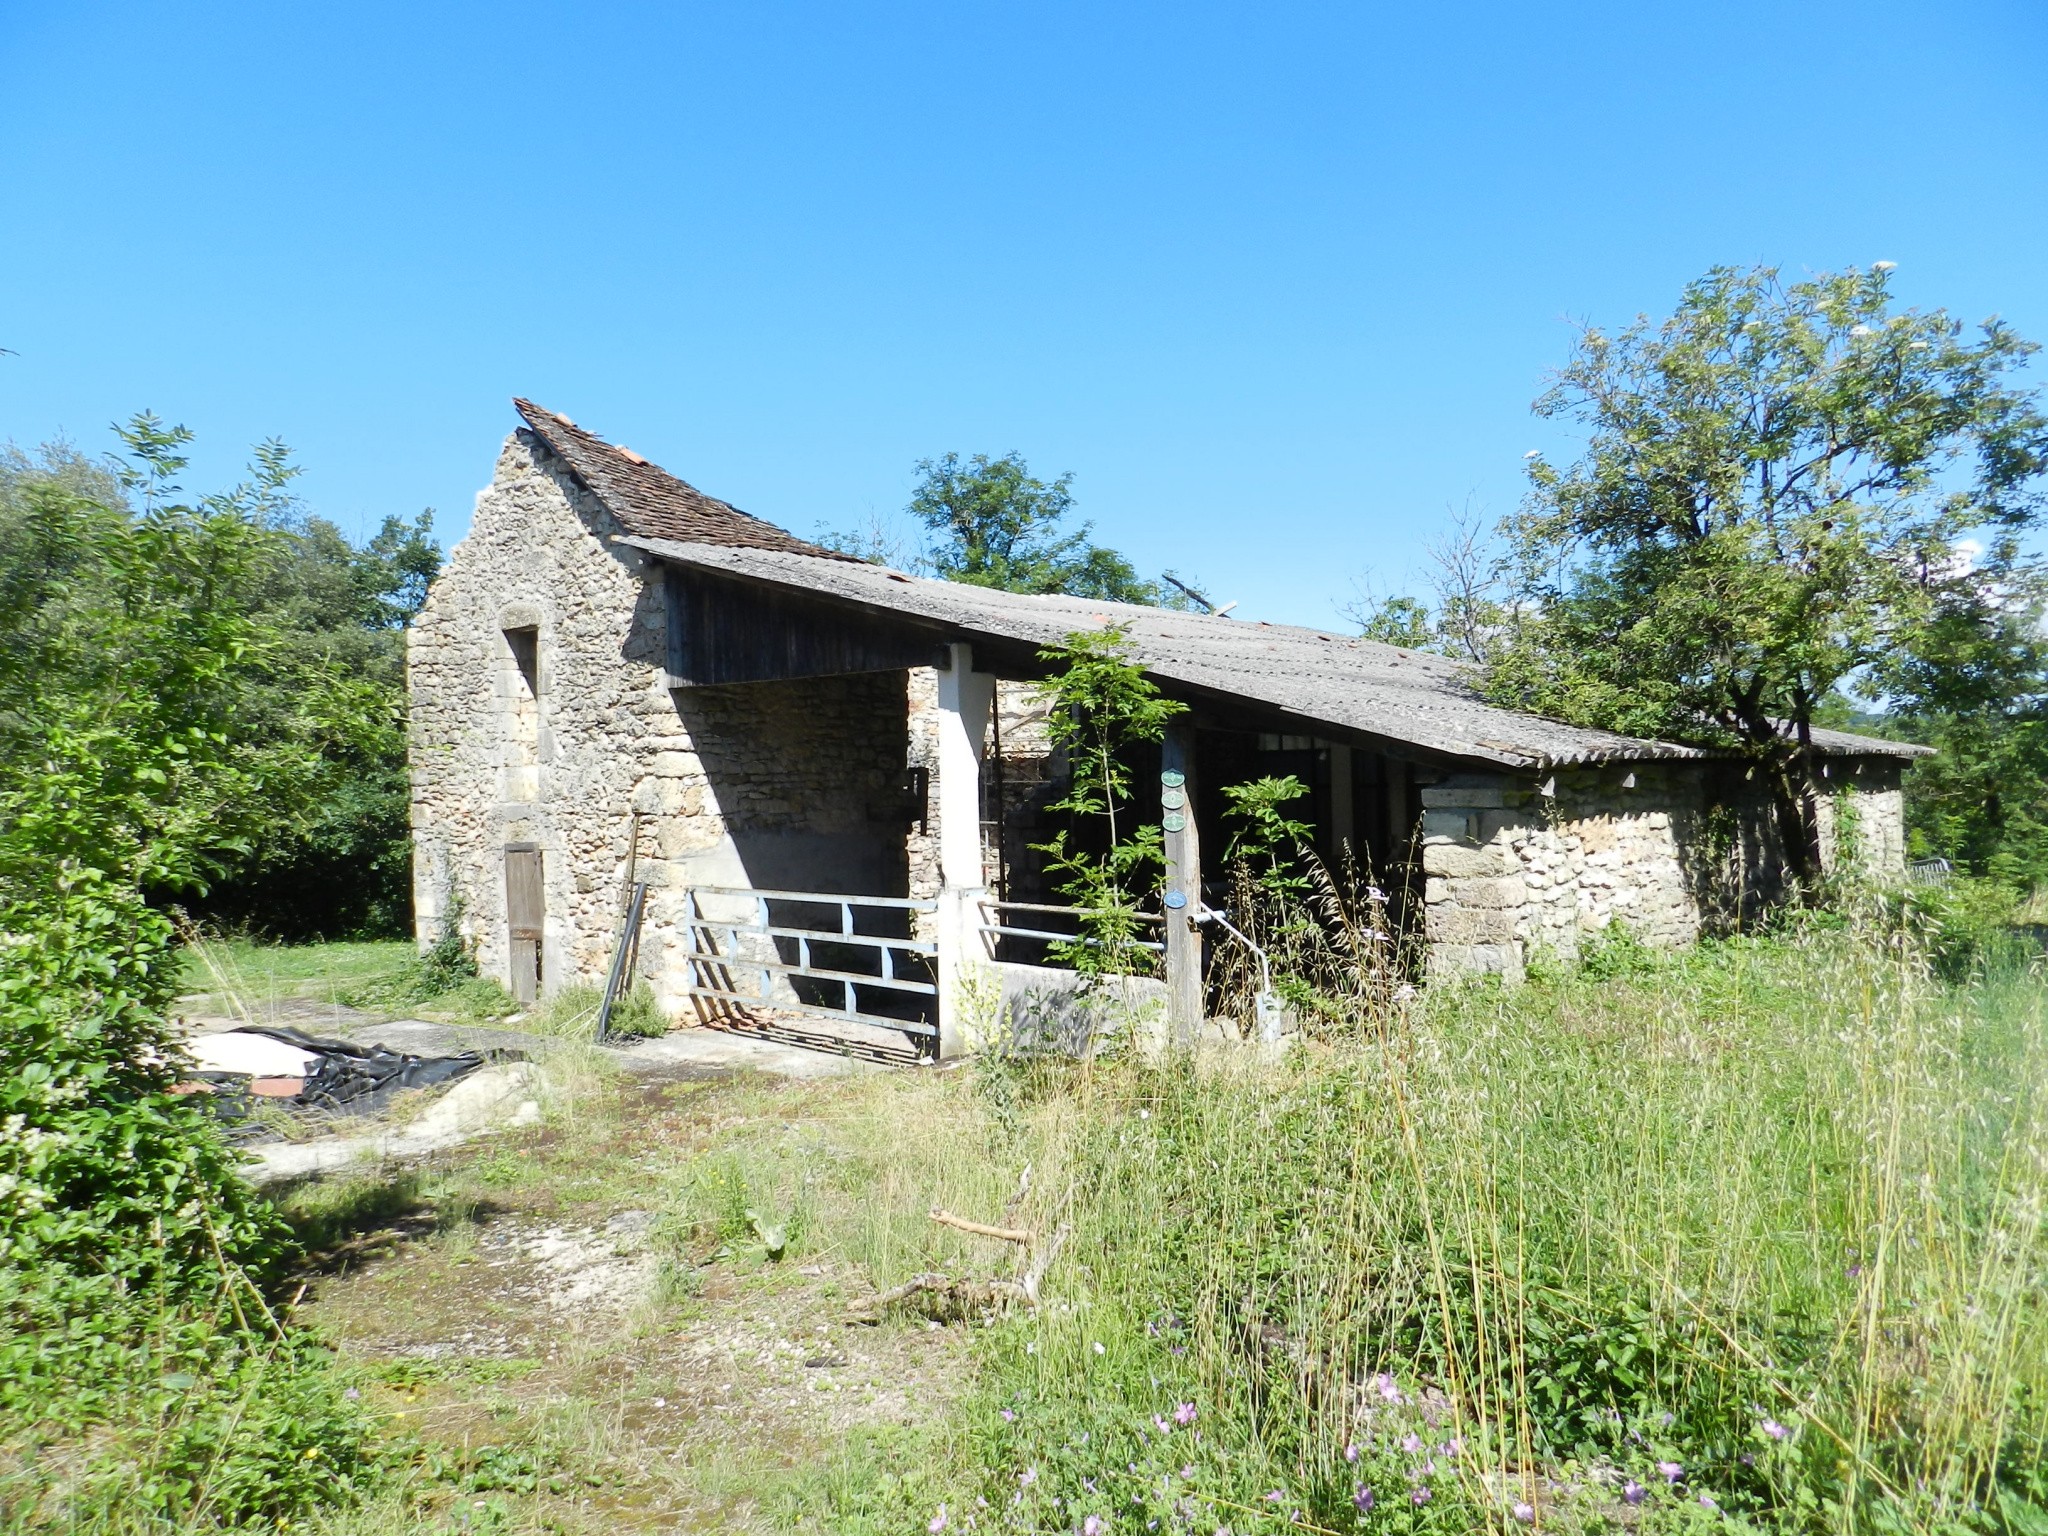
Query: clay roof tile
(649, 501)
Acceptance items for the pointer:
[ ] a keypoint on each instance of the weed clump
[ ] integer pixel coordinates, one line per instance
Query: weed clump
(443, 975)
(1750, 1235)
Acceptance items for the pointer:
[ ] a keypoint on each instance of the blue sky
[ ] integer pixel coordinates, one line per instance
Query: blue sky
(1276, 283)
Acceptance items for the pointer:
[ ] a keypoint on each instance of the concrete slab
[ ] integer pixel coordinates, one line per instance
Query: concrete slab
(713, 1052)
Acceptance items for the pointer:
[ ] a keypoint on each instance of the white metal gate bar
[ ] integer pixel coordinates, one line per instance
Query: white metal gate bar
(719, 954)
(995, 925)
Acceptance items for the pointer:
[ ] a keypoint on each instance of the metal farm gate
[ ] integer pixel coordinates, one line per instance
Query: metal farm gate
(857, 961)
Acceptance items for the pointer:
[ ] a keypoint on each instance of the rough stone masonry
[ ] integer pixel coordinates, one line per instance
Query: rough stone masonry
(1513, 866)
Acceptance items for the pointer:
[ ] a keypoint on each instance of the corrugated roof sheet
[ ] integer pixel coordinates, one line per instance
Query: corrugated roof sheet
(651, 502)
(1349, 684)
(1346, 683)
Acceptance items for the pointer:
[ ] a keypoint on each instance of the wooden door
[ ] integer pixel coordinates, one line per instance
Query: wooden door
(525, 919)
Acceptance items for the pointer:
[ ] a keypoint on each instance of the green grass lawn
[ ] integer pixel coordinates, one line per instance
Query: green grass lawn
(219, 973)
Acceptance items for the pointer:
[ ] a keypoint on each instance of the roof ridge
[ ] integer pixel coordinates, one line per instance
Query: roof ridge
(648, 500)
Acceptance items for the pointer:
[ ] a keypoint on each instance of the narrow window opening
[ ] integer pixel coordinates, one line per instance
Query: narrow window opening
(525, 645)
(520, 709)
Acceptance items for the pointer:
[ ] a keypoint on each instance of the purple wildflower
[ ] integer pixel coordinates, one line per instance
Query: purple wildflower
(1388, 1388)
(1009, 1415)
(1776, 1430)
(1092, 1526)
(1707, 1501)
(1351, 1453)
(1632, 1492)
(1672, 1470)
(938, 1521)
(1088, 1483)
(1028, 1476)
(1187, 1472)
(1452, 1446)
(1412, 1443)
(1363, 1499)
(1161, 1425)
(1526, 1513)
(1418, 1496)
(1184, 1415)
(1274, 1496)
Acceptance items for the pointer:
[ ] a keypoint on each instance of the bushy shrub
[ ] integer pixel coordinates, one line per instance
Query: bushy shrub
(1963, 924)
(103, 1171)
(637, 1015)
(1615, 951)
(572, 1012)
(147, 1379)
(145, 1374)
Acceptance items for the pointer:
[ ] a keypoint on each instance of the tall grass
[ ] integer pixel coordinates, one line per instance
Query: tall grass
(1753, 1235)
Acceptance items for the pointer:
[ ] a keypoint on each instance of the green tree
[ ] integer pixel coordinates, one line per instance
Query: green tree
(325, 690)
(1265, 838)
(135, 1262)
(998, 525)
(1975, 688)
(1771, 506)
(343, 866)
(1102, 704)
(125, 767)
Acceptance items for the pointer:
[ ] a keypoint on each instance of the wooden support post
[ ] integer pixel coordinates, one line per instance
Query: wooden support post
(964, 697)
(1183, 893)
(1399, 826)
(1343, 809)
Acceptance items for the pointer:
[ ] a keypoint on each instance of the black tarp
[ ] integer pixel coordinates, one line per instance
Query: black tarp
(348, 1079)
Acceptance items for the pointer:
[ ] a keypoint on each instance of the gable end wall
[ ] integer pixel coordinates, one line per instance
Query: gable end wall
(783, 785)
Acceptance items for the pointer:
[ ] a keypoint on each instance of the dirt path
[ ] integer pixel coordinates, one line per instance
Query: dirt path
(543, 1308)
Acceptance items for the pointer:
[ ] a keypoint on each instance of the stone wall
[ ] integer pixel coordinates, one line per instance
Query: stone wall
(1871, 790)
(793, 785)
(1512, 865)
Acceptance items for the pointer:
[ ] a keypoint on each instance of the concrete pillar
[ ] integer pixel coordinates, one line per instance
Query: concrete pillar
(1182, 896)
(963, 975)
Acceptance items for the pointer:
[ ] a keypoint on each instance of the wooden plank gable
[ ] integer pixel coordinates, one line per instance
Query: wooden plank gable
(722, 631)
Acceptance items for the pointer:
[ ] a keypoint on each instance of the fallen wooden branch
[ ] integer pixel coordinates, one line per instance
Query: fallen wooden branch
(944, 1299)
(941, 1298)
(946, 1218)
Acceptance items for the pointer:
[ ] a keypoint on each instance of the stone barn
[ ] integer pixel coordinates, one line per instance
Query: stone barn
(807, 787)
